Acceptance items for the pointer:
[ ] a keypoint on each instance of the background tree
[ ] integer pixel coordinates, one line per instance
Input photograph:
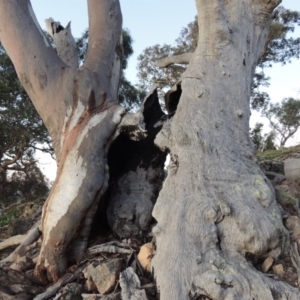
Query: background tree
(22, 132)
(284, 118)
(262, 141)
(280, 48)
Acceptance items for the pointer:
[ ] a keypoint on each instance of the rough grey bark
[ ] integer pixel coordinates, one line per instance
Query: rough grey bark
(216, 205)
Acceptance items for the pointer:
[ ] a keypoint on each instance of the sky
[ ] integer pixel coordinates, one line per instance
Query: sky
(153, 22)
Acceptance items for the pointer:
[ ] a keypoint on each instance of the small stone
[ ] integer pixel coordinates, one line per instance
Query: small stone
(296, 233)
(22, 264)
(292, 222)
(145, 256)
(116, 296)
(267, 264)
(284, 195)
(103, 275)
(278, 269)
(291, 169)
(72, 291)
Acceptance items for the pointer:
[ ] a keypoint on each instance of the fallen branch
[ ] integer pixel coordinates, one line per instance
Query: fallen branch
(274, 174)
(12, 241)
(111, 247)
(52, 290)
(27, 239)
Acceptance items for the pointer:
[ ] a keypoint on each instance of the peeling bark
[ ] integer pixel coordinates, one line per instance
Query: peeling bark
(216, 205)
(79, 108)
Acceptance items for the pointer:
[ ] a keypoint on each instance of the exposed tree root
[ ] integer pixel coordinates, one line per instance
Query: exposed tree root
(52, 290)
(27, 239)
(12, 241)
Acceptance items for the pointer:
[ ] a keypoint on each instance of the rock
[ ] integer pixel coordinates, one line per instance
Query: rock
(145, 256)
(131, 286)
(116, 296)
(278, 269)
(17, 286)
(296, 233)
(292, 222)
(285, 196)
(22, 264)
(293, 225)
(72, 291)
(267, 264)
(103, 275)
(292, 169)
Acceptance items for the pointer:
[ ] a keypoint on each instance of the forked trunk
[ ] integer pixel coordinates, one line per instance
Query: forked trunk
(79, 108)
(216, 206)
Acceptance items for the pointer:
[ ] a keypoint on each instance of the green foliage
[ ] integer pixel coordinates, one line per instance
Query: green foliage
(280, 48)
(280, 154)
(149, 74)
(284, 118)
(262, 141)
(21, 134)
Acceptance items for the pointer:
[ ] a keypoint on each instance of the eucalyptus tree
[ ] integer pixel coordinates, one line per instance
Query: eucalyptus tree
(22, 133)
(215, 206)
(284, 118)
(281, 46)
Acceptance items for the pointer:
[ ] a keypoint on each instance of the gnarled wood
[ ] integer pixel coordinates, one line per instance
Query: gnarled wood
(64, 41)
(216, 205)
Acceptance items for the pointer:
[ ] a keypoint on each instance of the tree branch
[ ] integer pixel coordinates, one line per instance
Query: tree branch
(64, 41)
(39, 68)
(105, 25)
(174, 59)
(6, 163)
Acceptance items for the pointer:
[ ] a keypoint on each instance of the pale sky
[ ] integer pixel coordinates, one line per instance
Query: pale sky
(153, 22)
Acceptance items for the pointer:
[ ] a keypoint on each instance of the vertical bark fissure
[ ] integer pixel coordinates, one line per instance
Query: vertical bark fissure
(216, 204)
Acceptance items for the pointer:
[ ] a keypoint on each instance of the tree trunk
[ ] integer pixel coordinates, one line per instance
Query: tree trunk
(216, 205)
(79, 108)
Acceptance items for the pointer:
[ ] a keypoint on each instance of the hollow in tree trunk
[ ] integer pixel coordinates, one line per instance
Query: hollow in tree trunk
(215, 206)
